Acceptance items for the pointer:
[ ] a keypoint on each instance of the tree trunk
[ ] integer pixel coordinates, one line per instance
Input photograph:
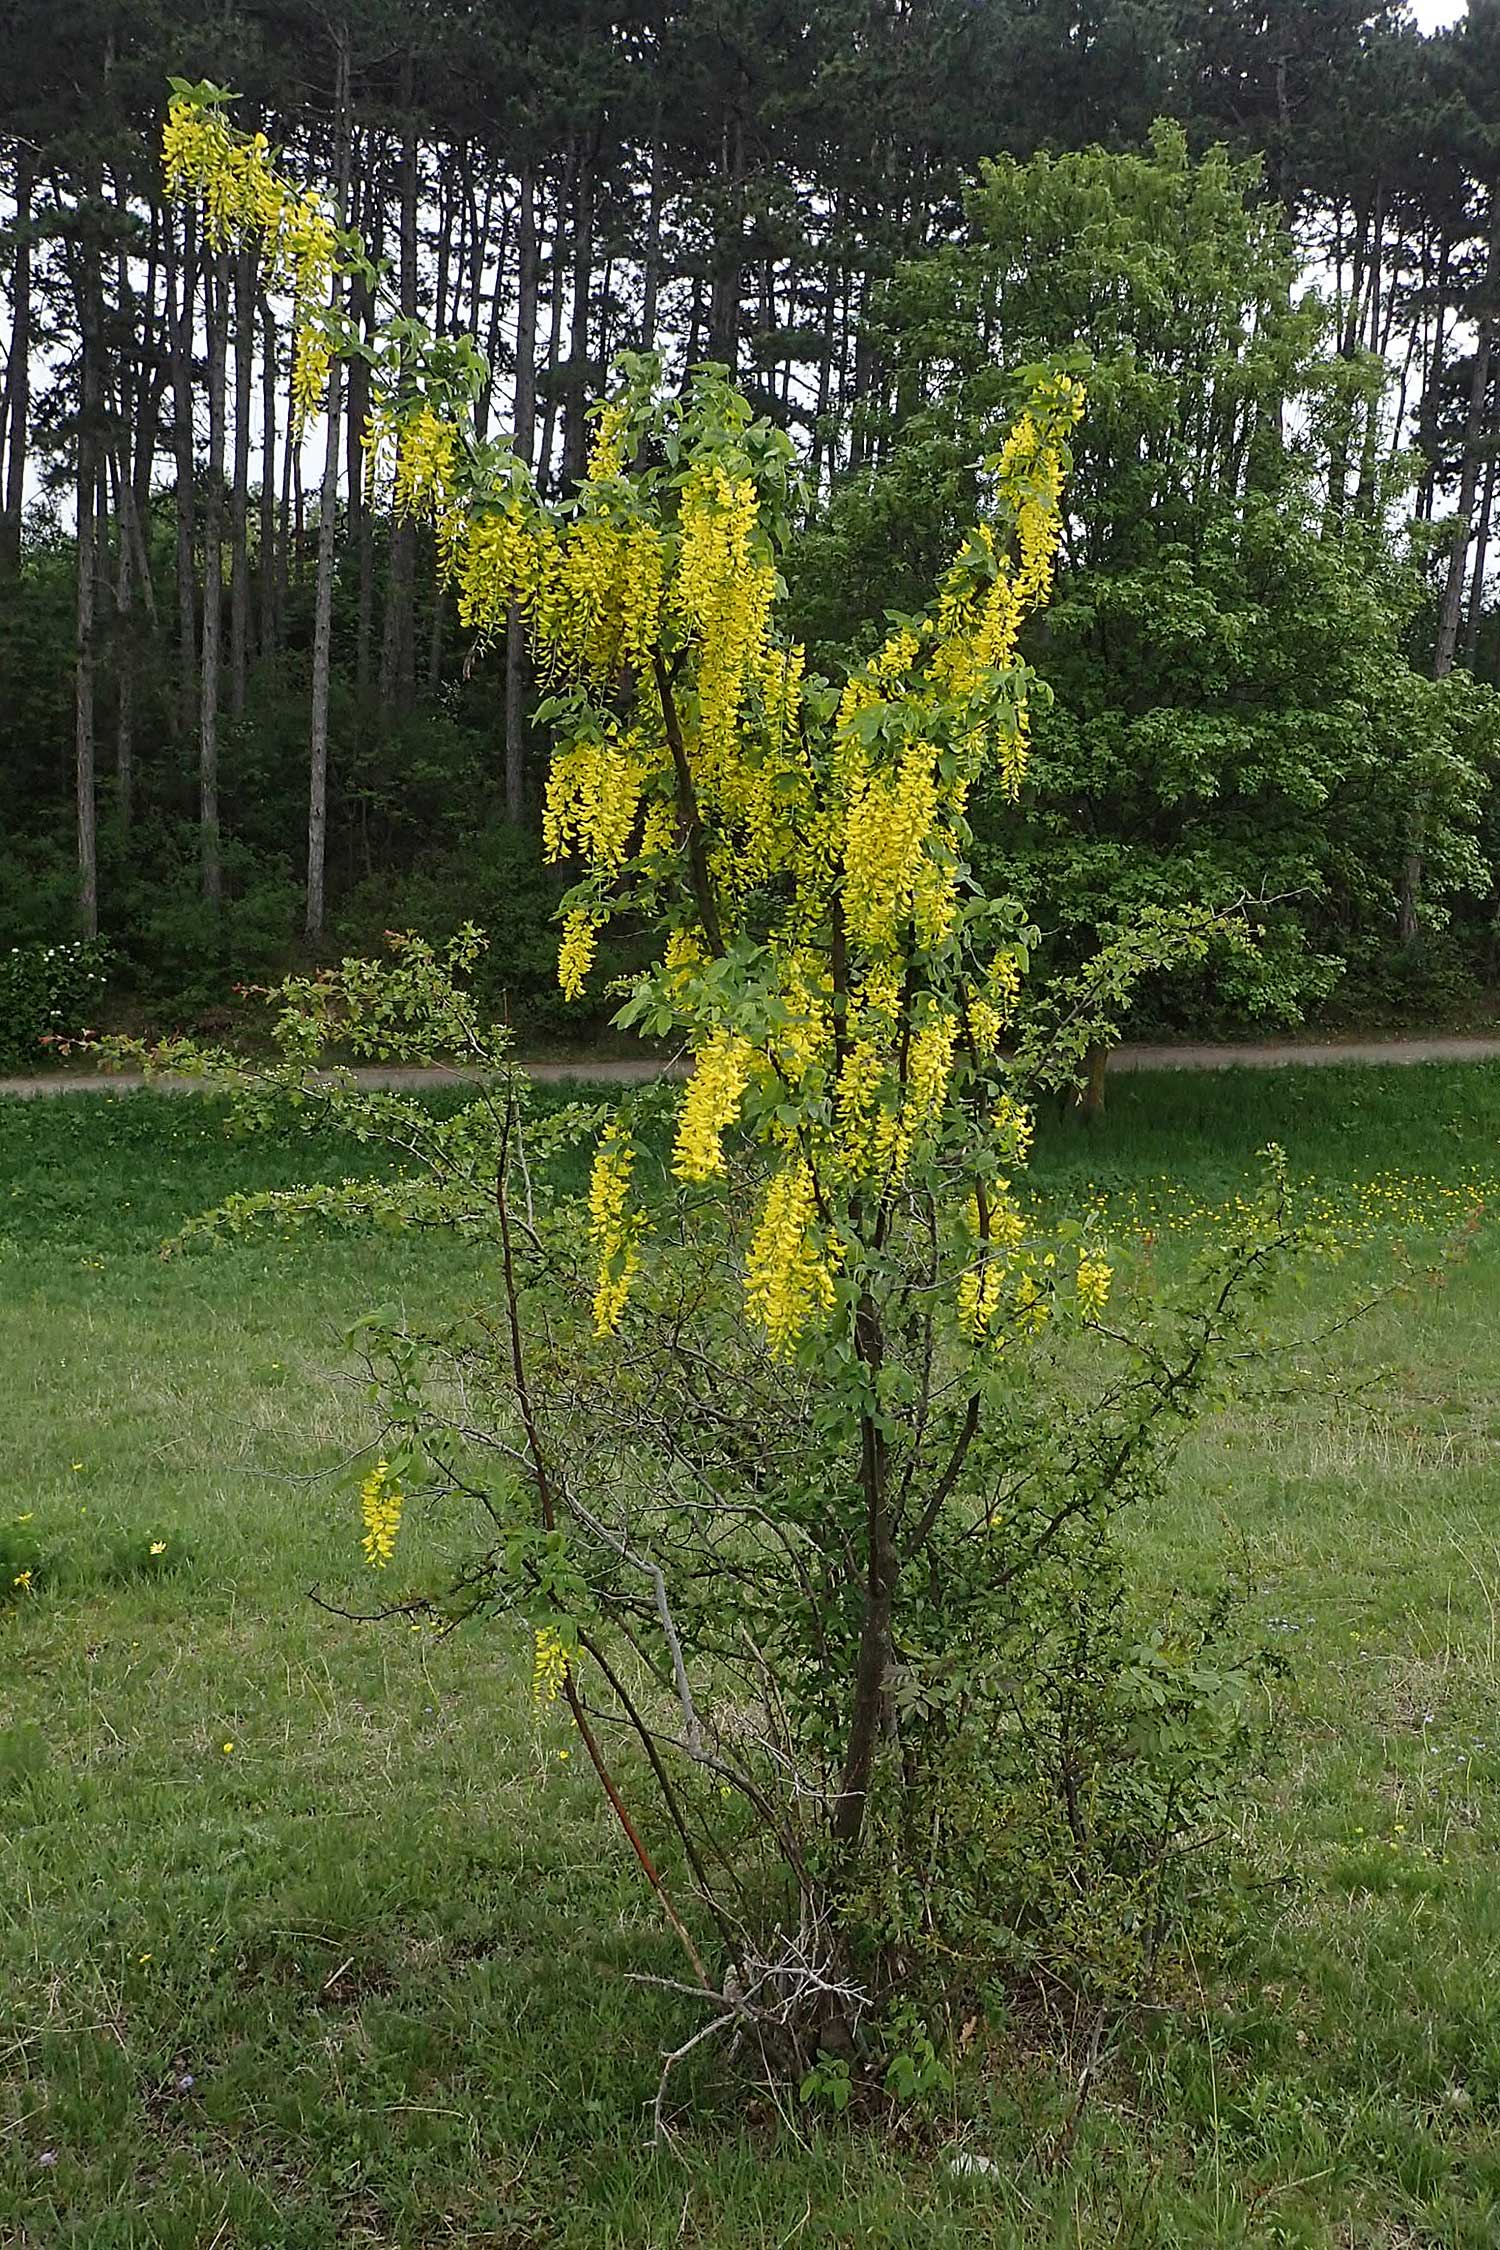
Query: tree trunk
(124, 655)
(216, 309)
(322, 663)
(239, 498)
(91, 392)
(543, 462)
(16, 404)
(361, 501)
(882, 1569)
(185, 272)
(1481, 558)
(651, 259)
(267, 558)
(528, 277)
(398, 643)
(1090, 1102)
(1432, 382)
(575, 417)
(1450, 610)
(729, 249)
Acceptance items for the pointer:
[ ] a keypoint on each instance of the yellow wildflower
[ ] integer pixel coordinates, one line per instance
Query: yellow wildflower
(613, 1234)
(549, 1664)
(380, 1503)
(711, 1104)
(787, 1277)
(575, 955)
(1095, 1275)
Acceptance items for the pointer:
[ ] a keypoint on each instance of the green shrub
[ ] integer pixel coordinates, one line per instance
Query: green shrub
(47, 992)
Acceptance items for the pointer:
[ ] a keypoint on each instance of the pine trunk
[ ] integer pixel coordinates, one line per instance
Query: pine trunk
(186, 279)
(1450, 611)
(216, 309)
(239, 498)
(398, 642)
(528, 276)
(16, 406)
(328, 504)
(91, 391)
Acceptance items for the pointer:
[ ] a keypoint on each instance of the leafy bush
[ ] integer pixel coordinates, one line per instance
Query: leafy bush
(47, 992)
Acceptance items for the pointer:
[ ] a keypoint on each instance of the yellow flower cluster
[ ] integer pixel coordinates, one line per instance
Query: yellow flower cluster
(1001, 1250)
(607, 453)
(802, 1042)
(979, 1289)
(787, 1277)
(857, 1107)
(593, 795)
(1014, 1129)
(1093, 1284)
(929, 1068)
(550, 1659)
(425, 482)
(503, 559)
(722, 595)
(311, 361)
(228, 173)
(575, 954)
(380, 1506)
(614, 1236)
(231, 176)
(711, 1104)
(887, 828)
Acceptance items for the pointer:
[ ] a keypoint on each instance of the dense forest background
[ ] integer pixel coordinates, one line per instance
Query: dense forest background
(1268, 231)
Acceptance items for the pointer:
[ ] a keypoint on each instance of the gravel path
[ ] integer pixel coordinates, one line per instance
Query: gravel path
(1257, 1055)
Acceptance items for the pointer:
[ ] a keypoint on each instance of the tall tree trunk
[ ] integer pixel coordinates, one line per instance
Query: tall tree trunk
(124, 654)
(484, 405)
(1432, 384)
(398, 643)
(239, 498)
(1450, 610)
(16, 405)
(216, 312)
(543, 462)
(183, 269)
(729, 250)
(821, 444)
(291, 455)
(90, 405)
(267, 588)
(322, 664)
(882, 1570)
(528, 275)
(575, 417)
(651, 257)
(1481, 558)
(362, 306)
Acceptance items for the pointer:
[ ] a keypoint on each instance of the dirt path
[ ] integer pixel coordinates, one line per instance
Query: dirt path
(1258, 1055)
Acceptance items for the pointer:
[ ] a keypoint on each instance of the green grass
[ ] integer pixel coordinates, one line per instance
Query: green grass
(365, 1976)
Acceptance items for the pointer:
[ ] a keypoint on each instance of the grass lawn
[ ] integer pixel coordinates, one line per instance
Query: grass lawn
(312, 1934)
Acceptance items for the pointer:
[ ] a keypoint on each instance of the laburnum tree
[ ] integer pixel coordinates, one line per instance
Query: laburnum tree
(765, 1432)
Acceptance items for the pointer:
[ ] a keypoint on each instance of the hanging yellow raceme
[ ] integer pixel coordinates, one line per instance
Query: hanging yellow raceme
(380, 1502)
(787, 1277)
(615, 1240)
(711, 1104)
